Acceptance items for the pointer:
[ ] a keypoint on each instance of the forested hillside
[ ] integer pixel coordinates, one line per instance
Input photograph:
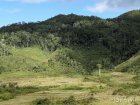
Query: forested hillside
(98, 41)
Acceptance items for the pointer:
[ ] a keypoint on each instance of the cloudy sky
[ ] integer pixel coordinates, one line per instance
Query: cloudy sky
(37, 10)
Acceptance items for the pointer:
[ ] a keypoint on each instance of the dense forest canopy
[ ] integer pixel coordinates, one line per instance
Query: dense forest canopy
(120, 36)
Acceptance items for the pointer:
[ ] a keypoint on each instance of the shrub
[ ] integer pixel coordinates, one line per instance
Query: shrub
(3, 85)
(127, 89)
(51, 62)
(6, 96)
(38, 68)
(104, 79)
(44, 101)
(2, 69)
(70, 101)
(87, 101)
(12, 84)
(10, 90)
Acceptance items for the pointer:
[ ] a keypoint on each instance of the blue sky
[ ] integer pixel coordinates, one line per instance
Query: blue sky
(13, 11)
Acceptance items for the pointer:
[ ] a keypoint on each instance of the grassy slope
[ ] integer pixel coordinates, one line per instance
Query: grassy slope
(22, 59)
(133, 64)
(28, 59)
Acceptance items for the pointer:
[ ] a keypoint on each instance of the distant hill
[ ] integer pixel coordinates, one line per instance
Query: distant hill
(131, 16)
(52, 22)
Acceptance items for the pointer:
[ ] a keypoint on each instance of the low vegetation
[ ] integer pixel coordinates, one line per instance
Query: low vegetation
(11, 90)
(129, 88)
(71, 100)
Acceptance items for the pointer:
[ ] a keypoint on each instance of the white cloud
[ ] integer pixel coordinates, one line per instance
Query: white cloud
(111, 5)
(99, 7)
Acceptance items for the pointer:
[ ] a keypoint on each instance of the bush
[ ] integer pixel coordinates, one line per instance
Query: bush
(104, 79)
(2, 69)
(38, 68)
(6, 96)
(12, 84)
(87, 101)
(44, 101)
(127, 89)
(10, 90)
(70, 101)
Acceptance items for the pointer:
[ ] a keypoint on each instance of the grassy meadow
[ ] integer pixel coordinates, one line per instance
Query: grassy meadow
(31, 76)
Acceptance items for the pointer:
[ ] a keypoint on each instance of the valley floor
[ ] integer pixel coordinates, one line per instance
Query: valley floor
(81, 87)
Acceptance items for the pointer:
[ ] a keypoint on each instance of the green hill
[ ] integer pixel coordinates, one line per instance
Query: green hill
(85, 41)
(131, 65)
(63, 60)
(22, 59)
(131, 16)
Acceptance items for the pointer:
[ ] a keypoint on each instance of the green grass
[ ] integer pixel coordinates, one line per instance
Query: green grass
(128, 90)
(22, 59)
(62, 61)
(71, 100)
(103, 79)
(32, 59)
(11, 90)
(131, 65)
(33, 68)
(85, 88)
(33, 53)
(45, 101)
(6, 96)
(72, 88)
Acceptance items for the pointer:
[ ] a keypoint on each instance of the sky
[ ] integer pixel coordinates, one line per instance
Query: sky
(13, 11)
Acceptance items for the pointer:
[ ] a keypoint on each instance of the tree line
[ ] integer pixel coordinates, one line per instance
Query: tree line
(121, 35)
